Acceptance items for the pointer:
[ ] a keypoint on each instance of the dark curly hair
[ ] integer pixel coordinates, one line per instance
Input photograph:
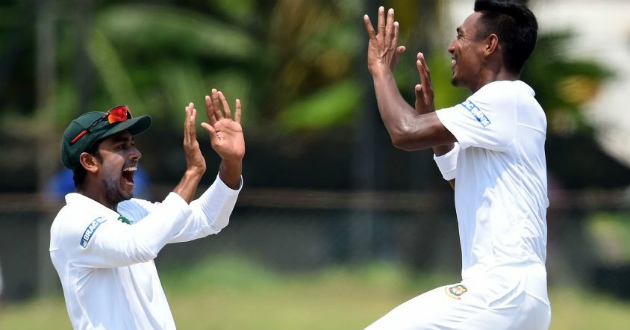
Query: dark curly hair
(514, 24)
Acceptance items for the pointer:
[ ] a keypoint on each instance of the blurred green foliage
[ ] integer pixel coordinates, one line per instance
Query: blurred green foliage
(610, 236)
(563, 84)
(298, 67)
(293, 63)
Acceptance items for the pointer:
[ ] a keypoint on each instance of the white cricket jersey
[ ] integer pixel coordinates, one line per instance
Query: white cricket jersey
(501, 182)
(106, 267)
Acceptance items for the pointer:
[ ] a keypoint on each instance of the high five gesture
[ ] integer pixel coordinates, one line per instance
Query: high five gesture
(383, 49)
(226, 133)
(226, 136)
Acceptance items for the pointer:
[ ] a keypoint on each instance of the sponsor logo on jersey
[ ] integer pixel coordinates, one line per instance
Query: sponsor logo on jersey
(455, 291)
(90, 230)
(476, 112)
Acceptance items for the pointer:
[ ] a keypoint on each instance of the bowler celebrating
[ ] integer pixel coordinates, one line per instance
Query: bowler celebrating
(491, 149)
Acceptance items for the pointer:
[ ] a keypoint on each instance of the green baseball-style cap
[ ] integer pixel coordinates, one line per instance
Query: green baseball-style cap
(90, 127)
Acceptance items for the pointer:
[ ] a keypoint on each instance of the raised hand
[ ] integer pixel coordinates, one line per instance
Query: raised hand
(195, 163)
(383, 49)
(226, 133)
(424, 90)
(226, 137)
(425, 101)
(194, 159)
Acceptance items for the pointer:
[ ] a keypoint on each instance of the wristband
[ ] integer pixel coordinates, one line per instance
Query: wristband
(447, 163)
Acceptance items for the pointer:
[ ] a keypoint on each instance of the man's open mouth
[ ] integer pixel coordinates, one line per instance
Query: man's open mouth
(128, 173)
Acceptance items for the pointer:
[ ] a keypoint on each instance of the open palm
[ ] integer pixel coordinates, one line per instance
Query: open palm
(226, 132)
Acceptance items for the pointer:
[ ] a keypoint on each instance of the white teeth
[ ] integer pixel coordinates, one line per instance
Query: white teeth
(453, 61)
(130, 169)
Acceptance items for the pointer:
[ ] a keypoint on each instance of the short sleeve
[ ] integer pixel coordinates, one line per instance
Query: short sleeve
(487, 119)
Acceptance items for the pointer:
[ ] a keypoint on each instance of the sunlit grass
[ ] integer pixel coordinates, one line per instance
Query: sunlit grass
(232, 294)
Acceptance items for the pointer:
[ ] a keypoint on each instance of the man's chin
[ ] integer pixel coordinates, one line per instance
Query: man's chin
(454, 81)
(125, 195)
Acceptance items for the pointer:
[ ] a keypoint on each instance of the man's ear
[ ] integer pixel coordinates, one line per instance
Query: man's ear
(89, 162)
(491, 44)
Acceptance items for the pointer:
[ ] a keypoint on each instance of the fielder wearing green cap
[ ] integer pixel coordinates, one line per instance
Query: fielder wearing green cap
(93, 126)
(103, 241)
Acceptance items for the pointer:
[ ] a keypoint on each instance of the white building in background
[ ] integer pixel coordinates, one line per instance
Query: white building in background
(602, 33)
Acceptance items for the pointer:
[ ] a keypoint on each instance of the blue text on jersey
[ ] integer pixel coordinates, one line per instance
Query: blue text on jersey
(476, 112)
(90, 230)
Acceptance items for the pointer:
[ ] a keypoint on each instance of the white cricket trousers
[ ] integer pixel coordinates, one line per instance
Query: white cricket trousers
(481, 304)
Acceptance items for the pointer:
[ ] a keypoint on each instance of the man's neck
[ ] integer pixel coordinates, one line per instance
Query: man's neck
(99, 197)
(490, 76)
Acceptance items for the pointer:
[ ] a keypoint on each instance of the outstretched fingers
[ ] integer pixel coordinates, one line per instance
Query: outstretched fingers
(210, 110)
(387, 27)
(419, 105)
(189, 125)
(396, 28)
(398, 49)
(424, 90)
(218, 108)
(215, 103)
(368, 27)
(391, 32)
(194, 159)
(425, 74)
(226, 106)
(237, 115)
(381, 21)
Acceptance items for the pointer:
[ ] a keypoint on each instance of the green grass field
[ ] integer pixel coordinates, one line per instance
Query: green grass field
(231, 294)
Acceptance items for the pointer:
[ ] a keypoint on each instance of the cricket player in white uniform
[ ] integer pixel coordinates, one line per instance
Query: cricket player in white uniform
(103, 241)
(491, 150)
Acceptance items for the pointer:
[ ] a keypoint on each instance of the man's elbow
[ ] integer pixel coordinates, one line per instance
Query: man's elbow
(145, 252)
(411, 138)
(398, 134)
(403, 142)
(400, 144)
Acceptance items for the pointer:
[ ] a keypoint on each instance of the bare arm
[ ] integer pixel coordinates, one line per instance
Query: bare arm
(195, 163)
(425, 99)
(425, 103)
(408, 129)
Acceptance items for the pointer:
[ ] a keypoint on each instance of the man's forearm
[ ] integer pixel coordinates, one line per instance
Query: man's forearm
(188, 185)
(395, 112)
(230, 173)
